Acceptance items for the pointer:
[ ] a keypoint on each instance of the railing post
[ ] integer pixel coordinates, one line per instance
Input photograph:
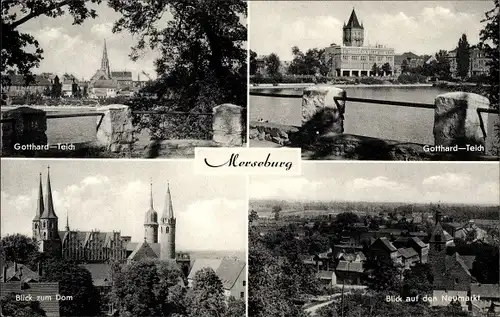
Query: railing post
(115, 131)
(321, 111)
(456, 121)
(24, 129)
(227, 125)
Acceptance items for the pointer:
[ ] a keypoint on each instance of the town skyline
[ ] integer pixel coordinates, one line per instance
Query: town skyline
(110, 200)
(384, 183)
(406, 27)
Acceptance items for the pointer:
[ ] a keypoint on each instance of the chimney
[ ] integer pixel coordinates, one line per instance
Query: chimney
(4, 276)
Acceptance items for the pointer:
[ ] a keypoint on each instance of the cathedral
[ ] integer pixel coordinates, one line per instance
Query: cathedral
(101, 247)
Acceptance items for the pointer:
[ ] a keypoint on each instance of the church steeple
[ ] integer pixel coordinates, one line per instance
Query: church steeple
(168, 210)
(353, 31)
(39, 205)
(151, 220)
(67, 221)
(167, 229)
(105, 61)
(48, 211)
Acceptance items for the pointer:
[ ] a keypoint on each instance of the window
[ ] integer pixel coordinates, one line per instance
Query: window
(43, 224)
(242, 295)
(244, 283)
(45, 235)
(363, 58)
(372, 58)
(345, 57)
(379, 58)
(354, 58)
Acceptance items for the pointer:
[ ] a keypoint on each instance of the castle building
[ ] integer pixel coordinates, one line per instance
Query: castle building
(352, 58)
(100, 247)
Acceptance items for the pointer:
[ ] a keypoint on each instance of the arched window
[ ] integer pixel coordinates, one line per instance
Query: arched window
(45, 235)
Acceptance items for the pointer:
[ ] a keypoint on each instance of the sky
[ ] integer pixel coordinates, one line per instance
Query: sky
(114, 195)
(463, 183)
(77, 49)
(422, 27)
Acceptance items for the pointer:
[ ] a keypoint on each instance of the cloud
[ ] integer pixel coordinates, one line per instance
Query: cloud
(102, 30)
(95, 202)
(447, 181)
(286, 188)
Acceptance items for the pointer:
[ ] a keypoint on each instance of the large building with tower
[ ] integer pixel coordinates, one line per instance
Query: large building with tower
(352, 58)
(100, 247)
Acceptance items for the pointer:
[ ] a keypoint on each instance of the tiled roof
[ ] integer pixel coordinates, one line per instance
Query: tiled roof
(101, 273)
(142, 251)
(419, 242)
(229, 271)
(407, 252)
(353, 20)
(18, 80)
(204, 263)
(468, 260)
(486, 290)
(27, 274)
(387, 244)
(346, 266)
(121, 74)
(458, 258)
(105, 83)
(51, 307)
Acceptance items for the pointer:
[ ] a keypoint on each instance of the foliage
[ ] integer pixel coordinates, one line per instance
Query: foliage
(202, 62)
(375, 69)
(273, 63)
(276, 211)
(266, 296)
(253, 62)
(346, 220)
(75, 281)
(411, 78)
(463, 57)
(381, 274)
(12, 307)
(404, 67)
(21, 51)
(235, 307)
(206, 297)
(386, 68)
(311, 63)
(417, 281)
(253, 216)
(148, 288)
(489, 40)
(21, 249)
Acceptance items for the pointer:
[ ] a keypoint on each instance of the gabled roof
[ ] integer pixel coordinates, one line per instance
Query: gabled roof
(468, 260)
(142, 251)
(346, 266)
(229, 271)
(51, 307)
(101, 273)
(23, 272)
(456, 257)
(387, 244)
(407, 252)
(121, 74)
(204, 263)
(485, 290)
(105, 83)
(19, 80)
(419, 242)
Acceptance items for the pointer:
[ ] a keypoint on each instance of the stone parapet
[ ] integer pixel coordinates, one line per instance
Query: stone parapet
(228, 125)
(456, 121)
(23, 126)
(277, 133)
(320, 112)
(115, 131)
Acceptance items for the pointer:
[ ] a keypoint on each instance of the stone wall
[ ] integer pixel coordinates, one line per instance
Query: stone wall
(228, 125)
(26, 127)
(271, 132)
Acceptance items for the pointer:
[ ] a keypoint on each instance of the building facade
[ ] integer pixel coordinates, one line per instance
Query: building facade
(478, 62)
(352, 58)
(100, 247)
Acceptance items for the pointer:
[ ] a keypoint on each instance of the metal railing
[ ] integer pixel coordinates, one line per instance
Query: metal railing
(344, 98)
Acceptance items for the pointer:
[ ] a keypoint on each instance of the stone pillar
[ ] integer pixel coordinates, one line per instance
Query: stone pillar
(227, 125)
(319, 110)
(115, 131)
(492, 127)
(456, 121)
(24, 129)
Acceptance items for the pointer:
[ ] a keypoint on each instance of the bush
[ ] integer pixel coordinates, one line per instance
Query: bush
(411, 79)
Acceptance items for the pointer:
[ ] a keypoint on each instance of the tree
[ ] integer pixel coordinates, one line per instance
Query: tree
(313, 62)
(387, 68)
(13, 307)
(74, 281)
(235, 307)
(417, 281)
(463, 57)
(273, 63)
(253, 62)
(202, 62)
(253, 216)
(404, 66)
(21, 249)
(21, 51)
(148, 288)
(442, 65)
(375, 70)
(489, 39)
(381, 274)
(206, 297)
(276, 212)
(346, 220)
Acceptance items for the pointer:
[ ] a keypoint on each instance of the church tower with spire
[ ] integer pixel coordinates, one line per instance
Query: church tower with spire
(151, 221)
(353, 31)
(50, 241)
(105, 61)
(167, 229)
(39, 212)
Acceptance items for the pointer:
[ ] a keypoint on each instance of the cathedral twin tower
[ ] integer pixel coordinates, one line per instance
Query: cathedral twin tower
(166, 226)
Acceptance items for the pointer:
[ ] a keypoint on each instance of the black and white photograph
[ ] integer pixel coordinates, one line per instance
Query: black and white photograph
(122, 79)
(375, 239)
(384, 80)
(116, 238)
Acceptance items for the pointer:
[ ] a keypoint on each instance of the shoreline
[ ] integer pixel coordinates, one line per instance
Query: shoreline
(304, 85)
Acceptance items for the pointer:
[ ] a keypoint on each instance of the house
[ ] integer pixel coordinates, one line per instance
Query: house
(408, 256)
(455, 229)
(13, 281)
(123, 78)
(18, 85)
(349, 272)
(445, 297)
(142, 251)
(384, 248)
(105, 88)
(101, 278)
(488, 303)
(327, 278)
(420, 247)
(231, 272)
